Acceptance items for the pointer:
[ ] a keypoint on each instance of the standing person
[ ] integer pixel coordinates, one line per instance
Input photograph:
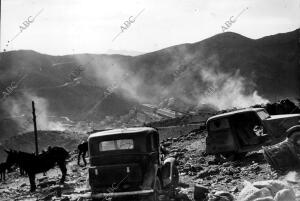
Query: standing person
(82, 149)
(3, 167)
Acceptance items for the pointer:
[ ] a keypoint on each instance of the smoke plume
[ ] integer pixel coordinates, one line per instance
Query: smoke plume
(20, 111)
(186, 81)
(227, 90)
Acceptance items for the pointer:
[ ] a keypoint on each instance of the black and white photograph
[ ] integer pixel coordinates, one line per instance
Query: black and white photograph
(148, 100)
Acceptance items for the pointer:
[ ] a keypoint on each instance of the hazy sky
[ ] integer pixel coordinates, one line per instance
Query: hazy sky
(79, 26)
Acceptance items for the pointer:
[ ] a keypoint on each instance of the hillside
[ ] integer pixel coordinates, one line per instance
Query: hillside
(224, 71)
(25, 142)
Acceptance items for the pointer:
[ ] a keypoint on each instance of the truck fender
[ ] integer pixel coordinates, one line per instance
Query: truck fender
(150, 176)
(167, 170)
(293, 134)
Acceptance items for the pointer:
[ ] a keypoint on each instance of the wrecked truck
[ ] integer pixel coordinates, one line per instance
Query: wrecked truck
(285, 155)
(128, 163)
(238, 132)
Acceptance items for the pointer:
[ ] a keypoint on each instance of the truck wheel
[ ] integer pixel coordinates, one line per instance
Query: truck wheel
(200, 192)
(157, 188)
(234, 155)
(228, 156)
(175, 182)
(239, 156)
(175, 176)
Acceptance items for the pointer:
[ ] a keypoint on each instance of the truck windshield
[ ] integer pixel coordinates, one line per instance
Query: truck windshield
(263, 114)
(219, 124)
(116, 145)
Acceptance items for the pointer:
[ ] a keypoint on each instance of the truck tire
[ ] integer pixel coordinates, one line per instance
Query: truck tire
(175, 182)
(239, 156)
(157, 188)
(234, 155)
(200, 192)
(175, 176)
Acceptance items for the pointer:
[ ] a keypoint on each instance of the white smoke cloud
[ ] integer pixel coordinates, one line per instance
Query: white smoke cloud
(20, 110)
(197, 84)
(227, 90)
(112, 73)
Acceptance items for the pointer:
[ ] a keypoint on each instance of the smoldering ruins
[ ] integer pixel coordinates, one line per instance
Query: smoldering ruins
(164, 112)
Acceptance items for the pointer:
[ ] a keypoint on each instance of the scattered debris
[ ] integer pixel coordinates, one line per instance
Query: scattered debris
(202, 176)
(285, 155)
(271, 190)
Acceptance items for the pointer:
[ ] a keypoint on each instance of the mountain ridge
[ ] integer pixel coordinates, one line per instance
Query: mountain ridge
(179, 77)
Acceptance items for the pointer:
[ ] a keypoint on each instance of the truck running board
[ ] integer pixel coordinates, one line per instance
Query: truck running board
(120, 194)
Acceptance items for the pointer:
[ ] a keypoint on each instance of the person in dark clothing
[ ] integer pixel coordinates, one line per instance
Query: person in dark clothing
(82, 149)
(3, 168)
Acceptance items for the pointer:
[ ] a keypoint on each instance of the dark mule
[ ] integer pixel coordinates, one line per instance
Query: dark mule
(82, 149)
(22, 171)
(3, 168)
(33, 164)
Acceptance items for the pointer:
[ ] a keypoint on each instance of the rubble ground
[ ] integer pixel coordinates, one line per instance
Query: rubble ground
(195, 167)
(216, 173)
(17, 187)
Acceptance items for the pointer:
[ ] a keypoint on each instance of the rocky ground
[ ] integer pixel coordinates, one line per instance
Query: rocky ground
(17, 187)
(215, 174)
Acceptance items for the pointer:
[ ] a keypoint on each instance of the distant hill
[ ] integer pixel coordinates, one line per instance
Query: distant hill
(123, 52)
(226, 70)
(25, 142)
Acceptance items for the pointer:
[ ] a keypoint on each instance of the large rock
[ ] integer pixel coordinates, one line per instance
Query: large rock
(271, 190)
(200, 192)
(222, 196)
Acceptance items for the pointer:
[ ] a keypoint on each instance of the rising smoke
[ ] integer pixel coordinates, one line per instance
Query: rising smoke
(179, 81)
(227, 90)
(189, 83)
(20, 111)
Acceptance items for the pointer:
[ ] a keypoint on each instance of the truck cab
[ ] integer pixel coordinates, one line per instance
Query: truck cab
(128, 163)
(246, 130)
